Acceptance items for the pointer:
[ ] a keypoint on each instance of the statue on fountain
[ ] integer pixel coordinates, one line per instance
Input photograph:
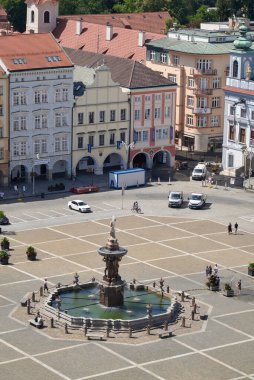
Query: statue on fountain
(112, 243)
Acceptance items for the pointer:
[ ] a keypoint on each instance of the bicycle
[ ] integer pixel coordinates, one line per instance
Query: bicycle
(137, 209)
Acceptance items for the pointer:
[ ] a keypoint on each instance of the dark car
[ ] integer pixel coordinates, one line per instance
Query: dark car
(4, 221)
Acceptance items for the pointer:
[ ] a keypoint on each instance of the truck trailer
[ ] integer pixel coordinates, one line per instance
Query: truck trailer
(119, 179)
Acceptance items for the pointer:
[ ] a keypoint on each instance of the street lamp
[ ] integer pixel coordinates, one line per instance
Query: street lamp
(33, 172)
(250, 158)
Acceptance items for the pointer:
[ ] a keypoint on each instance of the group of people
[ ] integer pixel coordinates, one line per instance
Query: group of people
(209, 270)
(230, 228)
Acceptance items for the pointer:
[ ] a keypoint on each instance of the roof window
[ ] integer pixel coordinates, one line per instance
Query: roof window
(53, 58)
(19, 61)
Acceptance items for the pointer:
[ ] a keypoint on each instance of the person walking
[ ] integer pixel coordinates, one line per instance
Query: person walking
(239, 287)
(215, 269)
(45, 286)
(210, 270)
(207, 271)
(230, 228)
(236, 227)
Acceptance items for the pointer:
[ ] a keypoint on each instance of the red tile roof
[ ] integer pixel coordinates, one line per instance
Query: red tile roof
(33, 51)
(37, 2)
(153, 22)
(3, 14)
(124, 42)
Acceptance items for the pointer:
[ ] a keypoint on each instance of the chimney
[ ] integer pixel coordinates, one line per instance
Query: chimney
(79, 26)
(109, 32)
(141, 38)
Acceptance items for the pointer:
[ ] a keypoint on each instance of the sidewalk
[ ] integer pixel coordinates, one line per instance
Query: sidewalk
(41, 187)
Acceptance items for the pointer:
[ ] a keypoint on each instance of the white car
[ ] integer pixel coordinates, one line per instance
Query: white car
(175, 199)
(197, 200)
(79, 205)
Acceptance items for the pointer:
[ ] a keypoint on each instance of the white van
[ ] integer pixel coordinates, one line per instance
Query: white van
(199, 172)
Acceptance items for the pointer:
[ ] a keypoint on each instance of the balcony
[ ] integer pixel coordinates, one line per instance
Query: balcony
(203, 72)
(202, 91)
(203, 111)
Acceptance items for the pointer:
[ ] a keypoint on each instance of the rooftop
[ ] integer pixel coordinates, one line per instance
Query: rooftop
(128, 73)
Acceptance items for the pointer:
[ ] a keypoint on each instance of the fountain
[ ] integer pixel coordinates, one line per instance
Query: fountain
(111, 302)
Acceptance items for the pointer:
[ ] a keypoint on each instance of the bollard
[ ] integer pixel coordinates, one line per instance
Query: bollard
(108, 331)
(182, 296)
(148, 330)
(226, 186)
(159, 181)
(167, 289)
(33, 297)
(130, 332)
(41, 291)
(66, 328)
(166, 326)
(85, 330)
(216, 185)
(202, 183)
(192, 315)
(193, 301)
(195, 308)
(183, 322)
(28, 308)
(154, 284)
(52, 322)
(169, 180)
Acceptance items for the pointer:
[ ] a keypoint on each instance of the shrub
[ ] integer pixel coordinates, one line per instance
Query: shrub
(251, 265)
(3, 254)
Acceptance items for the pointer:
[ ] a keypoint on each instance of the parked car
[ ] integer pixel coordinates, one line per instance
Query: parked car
(197, 200)
(199, 172)
(4, 221)
(175, 199)
(79, 205)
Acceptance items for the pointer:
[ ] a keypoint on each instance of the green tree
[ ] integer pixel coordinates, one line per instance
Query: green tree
(223, 9)
(16, 10)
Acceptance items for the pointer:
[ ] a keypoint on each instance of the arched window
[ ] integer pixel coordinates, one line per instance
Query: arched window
(32, 16)
(235, 69)
(46, 17)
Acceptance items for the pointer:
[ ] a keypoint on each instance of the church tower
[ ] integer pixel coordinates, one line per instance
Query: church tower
(41, 15)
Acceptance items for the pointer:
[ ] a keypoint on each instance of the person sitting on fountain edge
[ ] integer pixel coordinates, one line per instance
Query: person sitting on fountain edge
(135, 205)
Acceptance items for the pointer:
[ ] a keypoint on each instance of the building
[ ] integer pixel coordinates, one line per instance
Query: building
(4, 128)
(41, 15)
(40, 113)
(198, 62)
(134, 128)
(238, 144)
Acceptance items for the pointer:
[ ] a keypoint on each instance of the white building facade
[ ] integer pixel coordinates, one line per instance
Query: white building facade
(238, 144)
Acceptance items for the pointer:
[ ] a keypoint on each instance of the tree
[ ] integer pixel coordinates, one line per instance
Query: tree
(223, 9)
(16, 10)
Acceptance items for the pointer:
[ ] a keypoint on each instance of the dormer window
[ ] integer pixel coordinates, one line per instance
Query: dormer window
(32, 16)
(235, 69)
(53, 58)
(46, 17)
(19, 61)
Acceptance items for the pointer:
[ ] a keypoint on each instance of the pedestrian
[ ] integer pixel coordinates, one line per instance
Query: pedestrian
(210, 270)
(24, 188)
(45, 286)
(215, 269)
(207, 271)
(230, 228)
(239, 286)
(236, 227)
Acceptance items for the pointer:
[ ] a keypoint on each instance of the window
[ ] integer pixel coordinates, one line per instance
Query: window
(157, 97)
(252, 115)
(231, 110)
(204, 64)
(61, 144)
(152, 55)
(172, 77)
(137, 99)
(243, 112)
(112, 115)
(214, 121)
(91, 117)
(1, 110)
(37, 97)
(158, 134)
(163, 58)
(57, 144)
(61, 120)
(37, 122)
(23, 148)
(19, 123)
(40, 146)
(101, 140)
(122, 136)
(19, 98)
(44, 121)
(201, 121)
(1, 132)
(102, 116)
(43, 146)
(147, 113)
(80, 118)
(58, 95)
(61, 94)
(231, 135)
(230, 161)
(46, 17)
(80, 142)
(242, 135)
(216, 83)
(191, 82)
(147, 98)
(32, 16)
(167, 111)
(65, 94)
(252, 137)
(202, 102)
(189, 119)
(137, 136)
(40, 96)
(145, 135)
(157, 113)
(203, 83)
(90, 140)
(165, 133)
(123, 114)
(175, 60)
(1, 90)
(112, 139)
(137, 115)
(19, 148)
(190, 101)
(1, 153)
(215, 102)
(235, 69)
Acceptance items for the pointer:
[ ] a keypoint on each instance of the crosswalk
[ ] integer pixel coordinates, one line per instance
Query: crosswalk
(63, 212)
